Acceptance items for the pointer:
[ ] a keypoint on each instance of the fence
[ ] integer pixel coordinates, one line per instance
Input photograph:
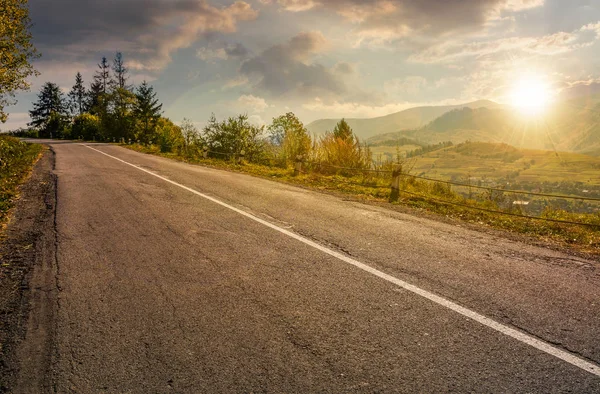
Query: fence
(514, 203)
(582, 211)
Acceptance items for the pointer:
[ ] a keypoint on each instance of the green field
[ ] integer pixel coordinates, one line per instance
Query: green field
(383, 153)
(488, 161)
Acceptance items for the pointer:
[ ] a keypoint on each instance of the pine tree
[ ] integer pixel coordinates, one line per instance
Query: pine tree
(343, 131)
(95, 98)
(77, 96)
(147, 109)
(49, 112)
(102, 76)
(120, 72)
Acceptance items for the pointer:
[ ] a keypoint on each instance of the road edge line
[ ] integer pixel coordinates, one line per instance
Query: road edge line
(472, 315)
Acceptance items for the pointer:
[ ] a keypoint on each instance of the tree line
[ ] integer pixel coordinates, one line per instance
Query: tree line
(109, 109)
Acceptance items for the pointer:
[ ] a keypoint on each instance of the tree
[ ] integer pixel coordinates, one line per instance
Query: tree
(343, 131)
(147, 109)
(77, 96)
(95, 98)
(234, 135)
(342, 148)
(288, 132)
(49, 112)
(16, 53)
(86, 126)
(121, 101)
(102, 76)
(192, 140)
(120, 72)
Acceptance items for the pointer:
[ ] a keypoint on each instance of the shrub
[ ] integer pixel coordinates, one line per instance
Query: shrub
(234, 135)
(86, 126)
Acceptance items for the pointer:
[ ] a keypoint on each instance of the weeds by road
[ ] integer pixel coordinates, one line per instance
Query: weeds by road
(16, 161)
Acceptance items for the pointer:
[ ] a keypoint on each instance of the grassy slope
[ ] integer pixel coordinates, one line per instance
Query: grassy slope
(16, 161)
(488, 160)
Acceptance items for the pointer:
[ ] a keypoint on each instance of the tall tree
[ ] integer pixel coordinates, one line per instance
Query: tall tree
(49, 111)
(95, 98)
(16, 51)
(288, 132)
(77, 96)
(147, 109)
(343, 131)
(102, 76)
(120, 72)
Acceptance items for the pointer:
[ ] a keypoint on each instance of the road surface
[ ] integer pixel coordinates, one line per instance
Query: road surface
(177, 278)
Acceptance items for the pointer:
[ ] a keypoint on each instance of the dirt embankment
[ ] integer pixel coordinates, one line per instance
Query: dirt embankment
(28, 292)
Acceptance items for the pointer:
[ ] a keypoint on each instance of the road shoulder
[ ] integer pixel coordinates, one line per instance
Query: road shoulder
(28, 290)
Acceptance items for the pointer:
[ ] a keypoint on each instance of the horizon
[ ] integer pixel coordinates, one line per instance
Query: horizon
(320, 60)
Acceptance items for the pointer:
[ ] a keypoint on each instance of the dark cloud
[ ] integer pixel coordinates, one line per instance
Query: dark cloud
(400, 18)
(150, 30)
(285, 69)
(236, 50)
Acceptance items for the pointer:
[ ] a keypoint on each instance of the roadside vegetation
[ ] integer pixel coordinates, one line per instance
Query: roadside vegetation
(336, 164)
(111, 110)
(16, 161)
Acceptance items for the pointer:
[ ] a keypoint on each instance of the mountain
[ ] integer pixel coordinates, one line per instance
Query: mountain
(412, 118)
(571, 125)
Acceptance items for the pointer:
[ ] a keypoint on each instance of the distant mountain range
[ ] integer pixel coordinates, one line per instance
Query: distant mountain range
(409, 119)
(572, 124)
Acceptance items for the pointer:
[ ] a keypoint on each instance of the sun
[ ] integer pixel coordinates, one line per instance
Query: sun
(531, 95)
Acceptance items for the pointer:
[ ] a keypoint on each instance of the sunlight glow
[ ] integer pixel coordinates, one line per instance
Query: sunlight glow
(531, 95)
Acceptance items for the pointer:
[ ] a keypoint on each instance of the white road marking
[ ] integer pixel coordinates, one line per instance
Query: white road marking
(486, 321)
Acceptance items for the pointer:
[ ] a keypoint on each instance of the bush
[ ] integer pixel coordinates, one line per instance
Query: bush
(234, 135)
(193, 142)
(342, 149)
(290, 137)
(86, 126)
(167, 135)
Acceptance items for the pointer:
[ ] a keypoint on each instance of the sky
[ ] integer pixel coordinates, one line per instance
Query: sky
(317, 58)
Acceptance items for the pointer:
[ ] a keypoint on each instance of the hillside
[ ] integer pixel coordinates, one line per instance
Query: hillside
(412, 118)
(494, 161)
(571, 126)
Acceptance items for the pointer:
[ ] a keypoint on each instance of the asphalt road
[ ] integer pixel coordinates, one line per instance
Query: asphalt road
(201, 280)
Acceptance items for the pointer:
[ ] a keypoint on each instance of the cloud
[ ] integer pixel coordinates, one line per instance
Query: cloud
(286, 69)
(256, 120)
(148, 31)
(16, 120)
(253, 103)
(230, 51)
(210, 55)
(344, 68)
(551, 44)
(235, 82)
(393, 19)
(361, 110)
(408, 85)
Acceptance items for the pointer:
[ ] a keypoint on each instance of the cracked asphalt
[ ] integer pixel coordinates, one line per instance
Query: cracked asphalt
(160, 291)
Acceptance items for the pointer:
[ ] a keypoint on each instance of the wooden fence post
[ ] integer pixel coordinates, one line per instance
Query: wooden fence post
(298, 165)
(205, 152)
(240, 158)
(395, 193)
